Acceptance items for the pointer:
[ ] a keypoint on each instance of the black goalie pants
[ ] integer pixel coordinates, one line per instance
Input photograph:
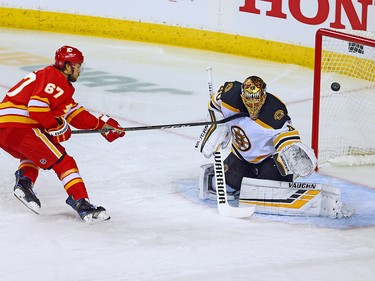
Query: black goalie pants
(236, 169)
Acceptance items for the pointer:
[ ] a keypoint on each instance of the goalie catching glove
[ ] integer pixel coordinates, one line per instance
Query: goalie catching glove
(213, 136)
(60, 133)
(297, 159)
(114, 132)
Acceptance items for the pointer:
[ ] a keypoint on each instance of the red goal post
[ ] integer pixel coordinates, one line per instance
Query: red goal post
(343, 121)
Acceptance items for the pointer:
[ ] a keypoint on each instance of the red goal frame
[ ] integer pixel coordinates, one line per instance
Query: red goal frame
(350, 38)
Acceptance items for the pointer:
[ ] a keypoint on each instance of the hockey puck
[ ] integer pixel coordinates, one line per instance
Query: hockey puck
(335, 86)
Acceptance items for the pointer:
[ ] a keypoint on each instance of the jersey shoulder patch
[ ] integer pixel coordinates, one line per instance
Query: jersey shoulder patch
(274, 112)
(231, 95)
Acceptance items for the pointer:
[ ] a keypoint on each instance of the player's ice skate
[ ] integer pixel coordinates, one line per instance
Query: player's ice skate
(23, 190)
(88, 212)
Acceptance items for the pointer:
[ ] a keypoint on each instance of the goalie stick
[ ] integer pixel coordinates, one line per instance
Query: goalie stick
(221, 191)
(163, 127)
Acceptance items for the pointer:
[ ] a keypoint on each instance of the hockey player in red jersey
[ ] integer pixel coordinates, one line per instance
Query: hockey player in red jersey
(35, 118)
(265, 145)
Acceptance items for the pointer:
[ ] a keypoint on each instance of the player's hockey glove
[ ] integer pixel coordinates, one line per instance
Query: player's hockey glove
(60, 133)
(114, 132)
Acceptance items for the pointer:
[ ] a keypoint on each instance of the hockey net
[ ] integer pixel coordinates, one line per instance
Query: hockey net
(343, 128)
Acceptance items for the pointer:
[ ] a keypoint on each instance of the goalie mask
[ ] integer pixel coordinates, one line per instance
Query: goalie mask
(253, 95)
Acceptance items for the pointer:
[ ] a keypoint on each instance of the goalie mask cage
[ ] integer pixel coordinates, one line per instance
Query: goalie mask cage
(343, 122)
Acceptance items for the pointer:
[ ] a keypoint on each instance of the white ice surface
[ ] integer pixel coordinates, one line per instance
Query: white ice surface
(147, 180)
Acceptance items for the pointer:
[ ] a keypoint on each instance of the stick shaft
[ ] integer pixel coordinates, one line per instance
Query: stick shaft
(209, 80)
(223, 206)
(165, 126)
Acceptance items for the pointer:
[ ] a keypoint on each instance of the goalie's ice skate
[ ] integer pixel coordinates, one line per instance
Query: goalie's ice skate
(345, 211)
(88, 212)
(23, 190)
(332, 206)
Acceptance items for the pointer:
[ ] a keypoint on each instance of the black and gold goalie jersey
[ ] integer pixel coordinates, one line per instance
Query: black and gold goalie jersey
(255, 140)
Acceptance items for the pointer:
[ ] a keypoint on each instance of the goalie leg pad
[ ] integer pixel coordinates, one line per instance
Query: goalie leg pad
(293, 198)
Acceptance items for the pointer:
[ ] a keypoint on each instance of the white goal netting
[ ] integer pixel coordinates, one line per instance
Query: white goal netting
(347, 116)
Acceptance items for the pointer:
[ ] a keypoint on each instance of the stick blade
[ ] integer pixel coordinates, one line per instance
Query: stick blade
(232, 212)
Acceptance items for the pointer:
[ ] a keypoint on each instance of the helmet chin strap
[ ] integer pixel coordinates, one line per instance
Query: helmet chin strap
(69, 76)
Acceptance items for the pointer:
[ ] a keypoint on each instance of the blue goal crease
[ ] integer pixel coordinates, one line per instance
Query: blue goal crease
(361, 198)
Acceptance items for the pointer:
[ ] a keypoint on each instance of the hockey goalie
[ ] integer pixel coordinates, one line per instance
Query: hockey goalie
(266, 156)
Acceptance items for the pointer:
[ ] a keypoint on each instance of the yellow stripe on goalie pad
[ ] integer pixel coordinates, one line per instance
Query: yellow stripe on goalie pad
(296, 205)
(301, 198)
(282, 198)
(293, 198)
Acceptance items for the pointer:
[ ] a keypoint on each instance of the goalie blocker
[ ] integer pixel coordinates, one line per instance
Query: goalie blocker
(293, 198)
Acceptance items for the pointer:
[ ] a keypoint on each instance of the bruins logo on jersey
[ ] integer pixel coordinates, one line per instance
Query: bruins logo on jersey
(228, 87)
(240, 140)
(279, 114)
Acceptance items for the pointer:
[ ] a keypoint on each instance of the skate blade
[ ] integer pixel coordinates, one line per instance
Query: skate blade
(96, 217)
(33, 206)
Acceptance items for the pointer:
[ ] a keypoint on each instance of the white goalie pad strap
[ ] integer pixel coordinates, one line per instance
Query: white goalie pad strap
(297, 159)
(293, 198)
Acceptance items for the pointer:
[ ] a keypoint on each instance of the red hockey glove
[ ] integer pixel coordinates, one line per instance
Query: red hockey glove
(62, 132)
(116, 130)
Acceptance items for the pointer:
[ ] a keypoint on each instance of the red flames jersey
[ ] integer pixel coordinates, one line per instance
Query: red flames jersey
(38, 98)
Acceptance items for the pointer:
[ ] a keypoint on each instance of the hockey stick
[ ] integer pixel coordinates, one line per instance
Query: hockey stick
(221, 190)
(163, 127)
